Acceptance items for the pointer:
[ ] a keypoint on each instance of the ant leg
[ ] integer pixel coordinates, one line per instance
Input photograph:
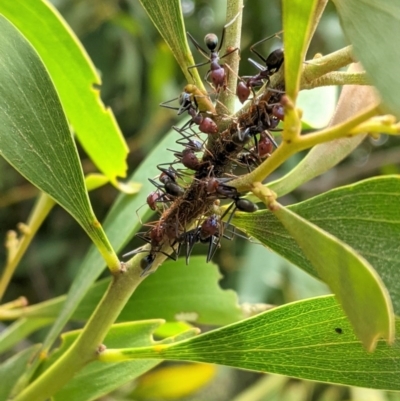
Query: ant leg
(224, 29)
(275, 35)
(165, 104)
(197, 46)
(135, 252)
(227, 211)
(212, 248)
(229, 52)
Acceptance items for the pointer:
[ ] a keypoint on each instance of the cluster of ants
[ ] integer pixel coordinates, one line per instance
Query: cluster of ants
(246, 142)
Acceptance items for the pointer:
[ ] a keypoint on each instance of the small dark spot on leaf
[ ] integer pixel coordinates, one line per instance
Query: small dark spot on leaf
(339, 330)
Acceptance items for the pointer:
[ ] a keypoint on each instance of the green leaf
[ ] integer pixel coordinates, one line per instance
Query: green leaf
(75, 78)
(35, 138)
(168, 19)
(349, 276)
(125, 209)
(297, 23)
(98, 378)
(20, 330)
(369, 25)
(12, 369)
(364, 216)
(309, 339)
(201, 300)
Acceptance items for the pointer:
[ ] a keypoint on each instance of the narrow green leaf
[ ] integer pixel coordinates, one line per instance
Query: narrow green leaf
(369, 25)
(201, 300)
(20, 330)
(12, 369)
(168, 19)
(98, 379)
(364, 216)
(74, 76)
(309, 339)
(349, 276)
(297, 24)
(35, 138)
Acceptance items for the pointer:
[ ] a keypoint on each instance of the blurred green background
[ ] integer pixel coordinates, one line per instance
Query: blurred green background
(139, 72)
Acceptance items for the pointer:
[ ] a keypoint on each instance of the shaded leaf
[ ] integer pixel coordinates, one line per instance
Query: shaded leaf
(369, 25)
(75, 78)
(309, 339)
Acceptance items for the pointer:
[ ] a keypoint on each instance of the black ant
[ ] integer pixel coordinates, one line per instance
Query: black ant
(187, 140)
(189, 101)
(216, 72)
(208, 232)
(272, 64)
(168, 178)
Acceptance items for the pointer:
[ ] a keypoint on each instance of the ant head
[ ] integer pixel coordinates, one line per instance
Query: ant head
(147, 261)
(274, 60)
(152, 199)
(211, 41)
(185, 102)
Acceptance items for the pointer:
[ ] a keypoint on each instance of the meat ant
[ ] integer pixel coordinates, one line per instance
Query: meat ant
(217, 72)
(272, 64)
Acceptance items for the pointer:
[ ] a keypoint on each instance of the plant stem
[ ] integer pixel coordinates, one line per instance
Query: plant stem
(299, 143)
(319, 66)
(227, 98)
(84, 349)
(40, 211)
(339, 78)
